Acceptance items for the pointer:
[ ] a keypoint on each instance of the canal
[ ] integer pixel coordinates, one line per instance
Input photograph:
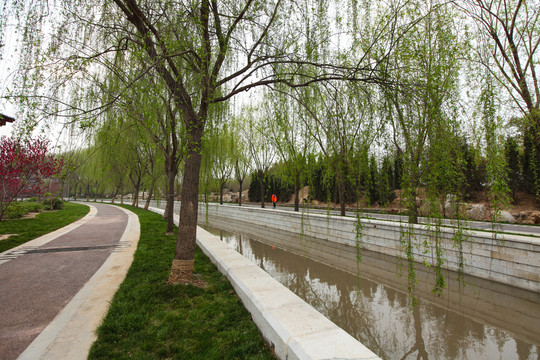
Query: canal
(369, 300)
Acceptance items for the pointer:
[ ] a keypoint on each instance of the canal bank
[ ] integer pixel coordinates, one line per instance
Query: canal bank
(292, 328)
(485, 321)
(507, 259)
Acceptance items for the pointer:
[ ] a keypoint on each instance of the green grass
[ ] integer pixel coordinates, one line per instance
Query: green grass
(149, 319)
(43, 223)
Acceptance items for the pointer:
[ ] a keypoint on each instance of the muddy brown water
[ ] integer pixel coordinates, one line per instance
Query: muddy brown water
(369, 300)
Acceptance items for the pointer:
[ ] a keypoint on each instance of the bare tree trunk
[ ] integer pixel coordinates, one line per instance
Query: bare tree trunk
(169, 208)
(261, 187)
(182, 266)
(135, 201)
(296, 191)
(413, 207)
(240, 194)
(341, 191)
(114, 195)
(168, 214)
(149, 198)
(221, 185)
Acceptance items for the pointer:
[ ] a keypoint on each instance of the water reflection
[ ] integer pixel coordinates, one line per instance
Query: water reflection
(487, 321)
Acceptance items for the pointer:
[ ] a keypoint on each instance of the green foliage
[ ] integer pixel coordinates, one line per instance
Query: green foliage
(514, 172)
(149, 319)
(530, 163)
(386, 181)
(53, 203)
(273, 184)
(322, 180)
(16, 210)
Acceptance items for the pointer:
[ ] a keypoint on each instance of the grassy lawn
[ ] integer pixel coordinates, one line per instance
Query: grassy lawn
(149, 319)
(43, 223)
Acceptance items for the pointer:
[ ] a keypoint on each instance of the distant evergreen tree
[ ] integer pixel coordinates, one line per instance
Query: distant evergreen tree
(373, 189)
(398, 170)
(386, 182)
(511, 153)
(529, 165)
(272, 185)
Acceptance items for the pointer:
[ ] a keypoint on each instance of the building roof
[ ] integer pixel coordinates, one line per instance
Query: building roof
(4, 119)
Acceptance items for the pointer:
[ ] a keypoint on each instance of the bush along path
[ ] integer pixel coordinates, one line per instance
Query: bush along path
(24, 230)
(150, 319)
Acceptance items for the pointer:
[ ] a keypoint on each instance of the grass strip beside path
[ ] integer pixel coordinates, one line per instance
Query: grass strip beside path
(149, 319)
(43, 223)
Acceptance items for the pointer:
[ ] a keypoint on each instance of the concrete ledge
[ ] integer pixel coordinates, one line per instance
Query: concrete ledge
(291, 326)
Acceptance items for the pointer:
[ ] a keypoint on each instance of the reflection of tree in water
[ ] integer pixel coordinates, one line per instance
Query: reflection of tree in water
(377, 315)
(419, 346)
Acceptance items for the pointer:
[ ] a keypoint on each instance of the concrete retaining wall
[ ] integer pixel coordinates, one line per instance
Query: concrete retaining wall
(509, 259)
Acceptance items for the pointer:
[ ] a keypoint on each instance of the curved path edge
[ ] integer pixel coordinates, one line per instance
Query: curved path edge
(72, 332)
(44, 239)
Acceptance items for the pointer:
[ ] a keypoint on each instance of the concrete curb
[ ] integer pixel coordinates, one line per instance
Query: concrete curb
(72, 332)
(292, 328)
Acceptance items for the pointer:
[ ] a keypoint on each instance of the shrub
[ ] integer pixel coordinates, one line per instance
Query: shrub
(53, 203)
(16, 210)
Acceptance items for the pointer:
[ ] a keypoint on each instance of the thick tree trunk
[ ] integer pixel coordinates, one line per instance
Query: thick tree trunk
(240, 194)
(182, 266)
(261, 186)
(149, 198)
(296, 191)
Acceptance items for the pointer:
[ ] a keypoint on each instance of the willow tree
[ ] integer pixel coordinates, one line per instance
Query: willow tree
(339, 117)
(421, 109)
(221, 146)
(506, 44)
(240, 156)
(418, 106)
(261, 146)
(291, 137)
(205, 52)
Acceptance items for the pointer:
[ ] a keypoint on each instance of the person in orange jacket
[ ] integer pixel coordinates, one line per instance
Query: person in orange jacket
(274, 200)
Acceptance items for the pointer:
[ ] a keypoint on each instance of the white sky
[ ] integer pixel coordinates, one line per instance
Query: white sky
(8, 64)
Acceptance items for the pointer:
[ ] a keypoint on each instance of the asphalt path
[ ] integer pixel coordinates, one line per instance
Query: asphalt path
(36, 283)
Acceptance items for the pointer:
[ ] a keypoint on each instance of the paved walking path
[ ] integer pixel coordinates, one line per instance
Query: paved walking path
(55, 290)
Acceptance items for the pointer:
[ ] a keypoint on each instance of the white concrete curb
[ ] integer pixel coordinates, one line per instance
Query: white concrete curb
(293, 328)
(72, 332)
